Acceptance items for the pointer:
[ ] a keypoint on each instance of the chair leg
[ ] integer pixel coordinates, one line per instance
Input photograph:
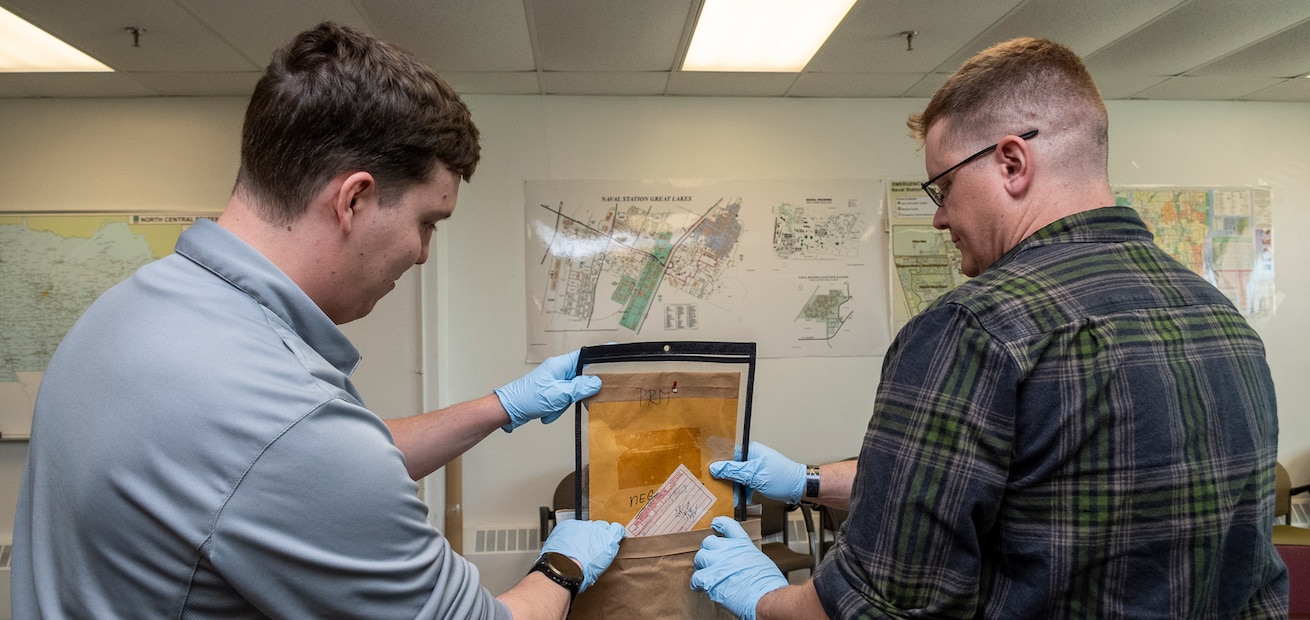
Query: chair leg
(812, 527)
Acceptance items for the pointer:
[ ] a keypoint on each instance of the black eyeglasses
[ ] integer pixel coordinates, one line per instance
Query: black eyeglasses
(936, 193)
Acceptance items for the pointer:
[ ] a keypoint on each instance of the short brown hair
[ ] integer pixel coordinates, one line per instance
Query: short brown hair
(1017, 86)
(335, 99)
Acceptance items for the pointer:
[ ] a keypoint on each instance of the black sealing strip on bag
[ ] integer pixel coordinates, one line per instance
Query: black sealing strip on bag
(670, 351)
(678, 350)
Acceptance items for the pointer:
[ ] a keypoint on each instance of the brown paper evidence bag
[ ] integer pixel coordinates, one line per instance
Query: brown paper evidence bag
(651, 578)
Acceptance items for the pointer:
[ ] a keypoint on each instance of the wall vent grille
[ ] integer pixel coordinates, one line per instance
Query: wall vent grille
(521, 539)
(507, 540)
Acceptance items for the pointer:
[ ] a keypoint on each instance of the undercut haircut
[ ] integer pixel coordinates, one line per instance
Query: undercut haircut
(1017, 86)
(336, 100)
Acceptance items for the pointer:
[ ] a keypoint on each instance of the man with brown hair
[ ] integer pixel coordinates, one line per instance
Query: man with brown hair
(1084, 429)
(198, 449)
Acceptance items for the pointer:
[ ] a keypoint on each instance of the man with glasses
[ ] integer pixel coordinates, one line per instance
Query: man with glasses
(1086, 428)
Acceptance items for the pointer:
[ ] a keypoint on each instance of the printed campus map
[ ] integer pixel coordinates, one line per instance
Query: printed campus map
(791, 265)
(51, 268)
(925, 264)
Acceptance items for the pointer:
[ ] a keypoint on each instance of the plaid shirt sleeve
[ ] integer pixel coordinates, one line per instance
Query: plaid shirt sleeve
(932, 472)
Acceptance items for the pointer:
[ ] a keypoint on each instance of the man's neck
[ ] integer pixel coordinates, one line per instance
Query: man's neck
(299, 249)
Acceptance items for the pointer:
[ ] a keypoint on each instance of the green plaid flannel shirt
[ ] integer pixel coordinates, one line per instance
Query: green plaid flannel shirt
(1085, 430)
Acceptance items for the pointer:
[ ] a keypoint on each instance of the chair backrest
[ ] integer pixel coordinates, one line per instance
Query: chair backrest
(1282, 492)
(565, 493)
(562, 500)
(773, 516)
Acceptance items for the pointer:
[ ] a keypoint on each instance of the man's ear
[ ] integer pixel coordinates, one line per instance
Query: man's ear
(1016, 156)
(357, 190)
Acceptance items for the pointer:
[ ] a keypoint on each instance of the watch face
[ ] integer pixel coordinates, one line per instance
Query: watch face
(564, 566)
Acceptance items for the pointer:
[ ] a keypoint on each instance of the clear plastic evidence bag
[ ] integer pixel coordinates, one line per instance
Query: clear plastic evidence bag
(644, 443)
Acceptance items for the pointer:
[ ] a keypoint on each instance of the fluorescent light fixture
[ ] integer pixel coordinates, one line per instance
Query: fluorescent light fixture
(761, 35)
(24, 48)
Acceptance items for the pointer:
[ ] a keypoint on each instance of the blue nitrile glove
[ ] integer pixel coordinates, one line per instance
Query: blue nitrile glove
(546, 392)
(592, 543)
(766, 471)
(733, 571)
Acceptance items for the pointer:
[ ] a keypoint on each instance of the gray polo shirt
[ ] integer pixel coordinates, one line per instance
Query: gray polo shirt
(199, 451)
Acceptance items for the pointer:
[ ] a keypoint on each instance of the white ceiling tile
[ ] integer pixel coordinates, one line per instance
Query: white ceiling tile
(1195, 33)
(1286, 55)
(927, 87)
(195, 84)
(853, 84)
(1120, 86)
(11, 88)
(257, 27)
(1206, 88)
(1297, 89)
(608, 83)
(457, 35)
(730, 84)
(77, 85)
(1084, 27)
(493, 82)
(870, 38)
(604, 35)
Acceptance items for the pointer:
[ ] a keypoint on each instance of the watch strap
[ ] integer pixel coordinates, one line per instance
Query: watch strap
(545, 567)
(811, 482)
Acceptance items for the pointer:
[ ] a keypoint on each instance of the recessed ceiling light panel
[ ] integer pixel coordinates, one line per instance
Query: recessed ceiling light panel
(761, 35)
(24, 48)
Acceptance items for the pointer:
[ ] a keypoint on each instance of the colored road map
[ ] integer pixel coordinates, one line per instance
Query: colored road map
(51, 268)
(1225, 234)
(1222, 233)
(789, 265)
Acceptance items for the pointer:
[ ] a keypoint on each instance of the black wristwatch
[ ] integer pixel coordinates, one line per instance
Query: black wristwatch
(561, 569)
(811, 485)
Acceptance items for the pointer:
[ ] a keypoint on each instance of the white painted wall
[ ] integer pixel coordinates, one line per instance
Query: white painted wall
(126, 154)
